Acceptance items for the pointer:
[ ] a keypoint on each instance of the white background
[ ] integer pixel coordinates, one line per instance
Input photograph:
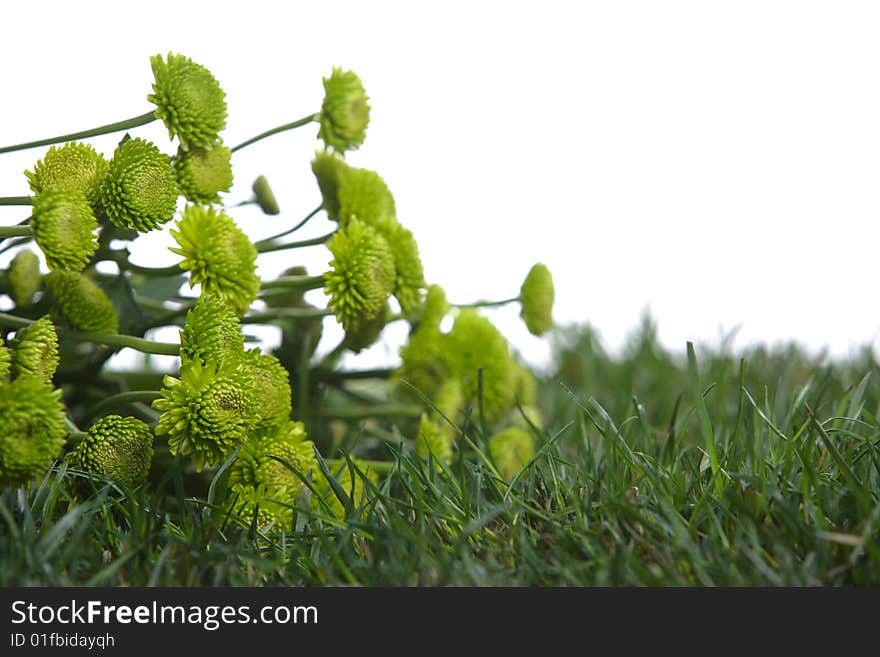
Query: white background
(716, 162)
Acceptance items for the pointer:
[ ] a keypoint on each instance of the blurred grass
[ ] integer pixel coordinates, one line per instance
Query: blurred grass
(623, 490)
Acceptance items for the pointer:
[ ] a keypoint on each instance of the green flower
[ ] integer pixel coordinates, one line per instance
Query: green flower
(536, 296)
(64, 225)
(351, 483)
(328, 169)
(202, 173)
(271, 383)
(119, 448)
(511, 449)
(263, 483)
(207, 411)
(212, 332)
(81, 302)
(32, 430)
(35, 350)
(73, 167)
(218, 256)
(361, 333)
(426, 363)
(475, 345)
(345, 111)
(139, 190)
(435, 435)
(410, 277)
(24, 278)
(362, 194)
(188, 100)
(361, 275)
(264, 196)
(434, 309)
(5, 363)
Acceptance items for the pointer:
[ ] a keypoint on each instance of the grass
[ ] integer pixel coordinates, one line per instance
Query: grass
(700, 468)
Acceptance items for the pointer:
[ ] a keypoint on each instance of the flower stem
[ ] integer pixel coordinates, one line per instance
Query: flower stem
(362, 412)
(286, 313)
(135, 122)
(486, 304)
(266, 247)
(16, 200)
(274, 131)
(270, 240)
(16, 242)
(380, 467)
(131, 397)
(294, 283)
(15, 231)
(352, 375)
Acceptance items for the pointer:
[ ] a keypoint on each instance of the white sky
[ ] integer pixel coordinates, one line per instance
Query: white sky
(717, 162)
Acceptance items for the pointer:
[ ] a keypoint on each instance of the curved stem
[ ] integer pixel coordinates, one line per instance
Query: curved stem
(294, 283)
(270, 240)
(274, 131)
(135, 122)
(267, 246)
(353, 375)
(131, 397)
(486, 304)
(286, 313)
(15, 231)
(362, 412)
(16, 242)
(16, 200)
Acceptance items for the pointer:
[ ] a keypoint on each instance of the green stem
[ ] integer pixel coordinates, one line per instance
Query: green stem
(270, 240)
(120, 257)
(267, 247)
(353, 375)
(486, 304)
(16, 200)
(294, 283)
(131, 397)
(362, 412)
(286, 313)
(112, 339)
(15, 231)
(16, 242)
(135, 122)
(274, 131)
(380, 467)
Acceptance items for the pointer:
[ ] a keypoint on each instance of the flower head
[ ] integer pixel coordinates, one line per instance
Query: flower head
(271, 383)
(202, 173)
(24, 278)
(139, 190)
(35, 350)
(436, 436)
(361, 275)
(5, 363)
(81, 302)
(345, 111)
(207, 411)
(426, 360)
(212, 332)
(264, 483)
(536, 296)
(188, 100)
(410, 276)
(218, 255)
(32, 429)
(361, 333)
(64, 225)
(73, 167)
(264, 196)
(362, 194)
(328, 169)
(511, 449)
(119, 448)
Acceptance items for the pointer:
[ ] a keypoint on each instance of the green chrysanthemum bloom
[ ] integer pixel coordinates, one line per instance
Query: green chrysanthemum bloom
(5, 363)
(207, 411)
(536, 296)
(272, 385)
(261, 481)
(345, 112)
(73, 167)
(362, 333)
(362, 194)
(264, 196)
(32, 429)
(410, 277)
(329, 169)
(425, 356)
(475, 344)
(35, 350)
(139, 190)
(525, 388)
(64, 225)
(212, 332)
(434, 439)
(188, 100)
(511, 449)
(81, 302)
(119, 448)
(361, 275)
(352, 484)
(218, 255)
(24, 278)
(202, 173)
(434, 309)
